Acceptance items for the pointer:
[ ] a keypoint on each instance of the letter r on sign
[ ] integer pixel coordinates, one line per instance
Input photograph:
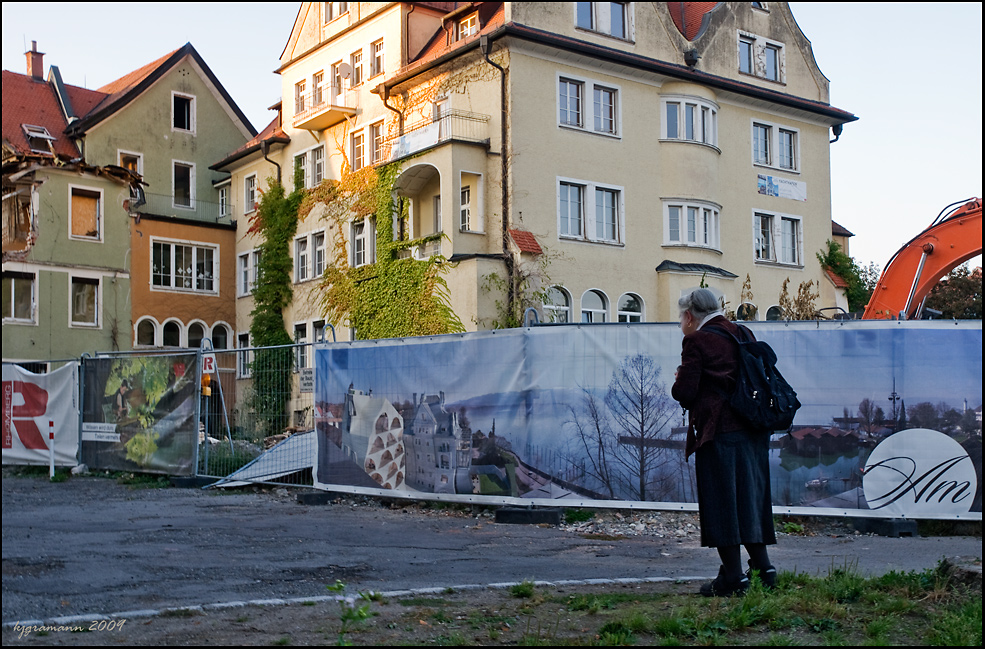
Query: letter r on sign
(21, 416)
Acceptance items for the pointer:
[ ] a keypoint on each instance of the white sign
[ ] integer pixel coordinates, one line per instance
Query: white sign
(31, 403)
(307, 379)
(209, 365)
(782, 187)
(919, 472)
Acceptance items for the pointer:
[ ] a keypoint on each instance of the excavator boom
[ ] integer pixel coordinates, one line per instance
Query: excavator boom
(917, 267)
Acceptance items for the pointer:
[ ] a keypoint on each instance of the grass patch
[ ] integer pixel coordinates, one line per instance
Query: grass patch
(578, 515)
(523, 590)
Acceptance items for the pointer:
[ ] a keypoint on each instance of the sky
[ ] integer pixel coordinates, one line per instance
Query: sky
(893, 65)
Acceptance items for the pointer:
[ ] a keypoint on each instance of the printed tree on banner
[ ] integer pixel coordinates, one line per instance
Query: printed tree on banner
(641, 409)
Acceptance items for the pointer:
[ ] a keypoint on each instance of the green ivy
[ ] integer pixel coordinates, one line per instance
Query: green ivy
(839, 263)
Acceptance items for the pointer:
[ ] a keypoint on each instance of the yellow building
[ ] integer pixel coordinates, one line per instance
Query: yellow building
(612, 155)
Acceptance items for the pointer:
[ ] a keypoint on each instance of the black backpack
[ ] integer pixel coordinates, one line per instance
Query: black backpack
(762, 397)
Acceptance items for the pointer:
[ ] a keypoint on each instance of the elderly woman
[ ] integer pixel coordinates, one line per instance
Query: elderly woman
(731, 461)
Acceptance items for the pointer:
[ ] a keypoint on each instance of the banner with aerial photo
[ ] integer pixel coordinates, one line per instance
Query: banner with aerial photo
(890, 423)
(36, 406)
(140, 413)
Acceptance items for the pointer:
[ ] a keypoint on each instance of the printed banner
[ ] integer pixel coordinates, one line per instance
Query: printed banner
(31, 404)
(891, 416)
(139, 413)
(782, 187)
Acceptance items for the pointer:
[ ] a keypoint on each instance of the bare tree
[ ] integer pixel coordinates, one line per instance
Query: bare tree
(594, 439)
(641, 409)
(870, 415)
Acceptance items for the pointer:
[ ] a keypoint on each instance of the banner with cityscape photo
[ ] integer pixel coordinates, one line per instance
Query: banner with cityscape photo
(890, 423)
(140, 413)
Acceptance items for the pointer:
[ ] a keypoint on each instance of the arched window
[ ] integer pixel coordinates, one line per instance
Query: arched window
(220, 337)
(196, 332)
(747, 311)
(594, 306)
(557, 305)
(172, 334)
(630, 308)
(146, 333)
(774, 313)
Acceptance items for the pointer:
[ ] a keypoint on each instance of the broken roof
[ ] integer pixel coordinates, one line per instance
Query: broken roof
(32, 102)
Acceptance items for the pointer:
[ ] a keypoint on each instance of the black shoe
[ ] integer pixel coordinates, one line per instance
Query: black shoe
(767, 576)
(724, 587)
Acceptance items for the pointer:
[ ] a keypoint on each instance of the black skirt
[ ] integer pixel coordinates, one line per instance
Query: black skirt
(734, 500)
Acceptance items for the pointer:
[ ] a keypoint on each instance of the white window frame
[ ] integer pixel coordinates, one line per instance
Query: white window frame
(312, 163)
(300, 341)
(775, 156)
(243, 358)
(357, 149)
(365, 255)
(777, 251)
(317, 88)
(589, 217)
(356, 61)
(196, 247)
(250, 194)
(557, 312)
(601, 22)
(247, 266)
(706, 225)
(589, 117)
(191, 184)
(227, 330)
(630, 316)
(100, 213)
(603, 312)
(135, 154)
(85, 278)
(376, 61)
(156, 342)
(225, 207)
(474, 220)
(468, 26)
(302, 259)
(696, 120)
(758, 61)
(300, 96)
(11, 275)
(319, 254)
(192, 101)
(376, 137)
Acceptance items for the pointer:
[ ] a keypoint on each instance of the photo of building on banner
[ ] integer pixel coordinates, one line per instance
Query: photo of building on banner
(585, 414)
(139, 413)
(37, 407)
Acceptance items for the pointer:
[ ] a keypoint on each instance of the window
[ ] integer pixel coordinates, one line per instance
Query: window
(249, 263)
(299, 96)
(468, 26)
(85, 301)
(747, 312)
(87, 213)
(172, 334)
(770, 227)
(691, 119)
(196, 333)
(38, 138)
(302, 262)
(356, 61)
(146, 333)
(333, 10)
(317, 86)
(318, 247)
(363, 243)
(569, 99)
(609, 18)
(594, 307)
(182, 112)
(18, 297)
(376, 63)
(132, 162)
(760, 57)
(466, 211)
(220, 337)
(775, 146)
(311, 164)
(436, 213)
(184, 267)
(600, 115)
(692, 224)
(557, 305)
(250, 194)
(774, 313)
(630, 308)
(244, 358)
(358, 151)
(301, 348)
(600, 219)
(318, 331)
(183, 185)
(376, 136)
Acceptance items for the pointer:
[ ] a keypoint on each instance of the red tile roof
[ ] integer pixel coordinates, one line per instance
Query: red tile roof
(689, 16)
(29, 101)
(272, 132)
(526, 241)
(836, 279)
(840, 230)
(439, 44)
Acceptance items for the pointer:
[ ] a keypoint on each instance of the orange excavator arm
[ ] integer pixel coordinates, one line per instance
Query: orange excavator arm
(917, 267)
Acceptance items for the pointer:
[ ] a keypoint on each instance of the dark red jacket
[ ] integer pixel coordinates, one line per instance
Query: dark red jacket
(709, 367)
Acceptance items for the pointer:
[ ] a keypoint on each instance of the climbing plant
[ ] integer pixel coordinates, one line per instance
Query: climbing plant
(859, 290)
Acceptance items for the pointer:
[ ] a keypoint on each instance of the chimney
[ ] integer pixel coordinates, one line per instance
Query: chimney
(35, 62)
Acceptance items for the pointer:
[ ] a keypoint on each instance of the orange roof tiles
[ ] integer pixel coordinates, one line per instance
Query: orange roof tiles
(29, 101)
(526, 241)
(689, 16)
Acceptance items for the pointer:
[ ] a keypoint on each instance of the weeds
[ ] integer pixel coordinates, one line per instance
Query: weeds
(349, 613)
(523, 590)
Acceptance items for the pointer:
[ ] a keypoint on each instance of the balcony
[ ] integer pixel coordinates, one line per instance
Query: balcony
(451, 126)
(421, 251)
(326, 105)
(183, 207)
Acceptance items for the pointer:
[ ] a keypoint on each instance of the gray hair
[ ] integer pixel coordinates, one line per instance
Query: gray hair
(700, 302)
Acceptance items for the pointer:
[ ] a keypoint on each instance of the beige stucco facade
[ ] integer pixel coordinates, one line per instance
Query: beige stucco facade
(629, 212)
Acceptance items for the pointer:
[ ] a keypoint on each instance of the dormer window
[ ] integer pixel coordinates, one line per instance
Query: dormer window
(468, 26)
(38, 138)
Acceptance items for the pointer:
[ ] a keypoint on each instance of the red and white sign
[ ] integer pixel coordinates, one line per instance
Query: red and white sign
(31, 402)
(209, 364)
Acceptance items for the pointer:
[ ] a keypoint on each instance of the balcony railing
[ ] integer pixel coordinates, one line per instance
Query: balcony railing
(182, 207)
(421, 251)
(452, 125)
(324, 106)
